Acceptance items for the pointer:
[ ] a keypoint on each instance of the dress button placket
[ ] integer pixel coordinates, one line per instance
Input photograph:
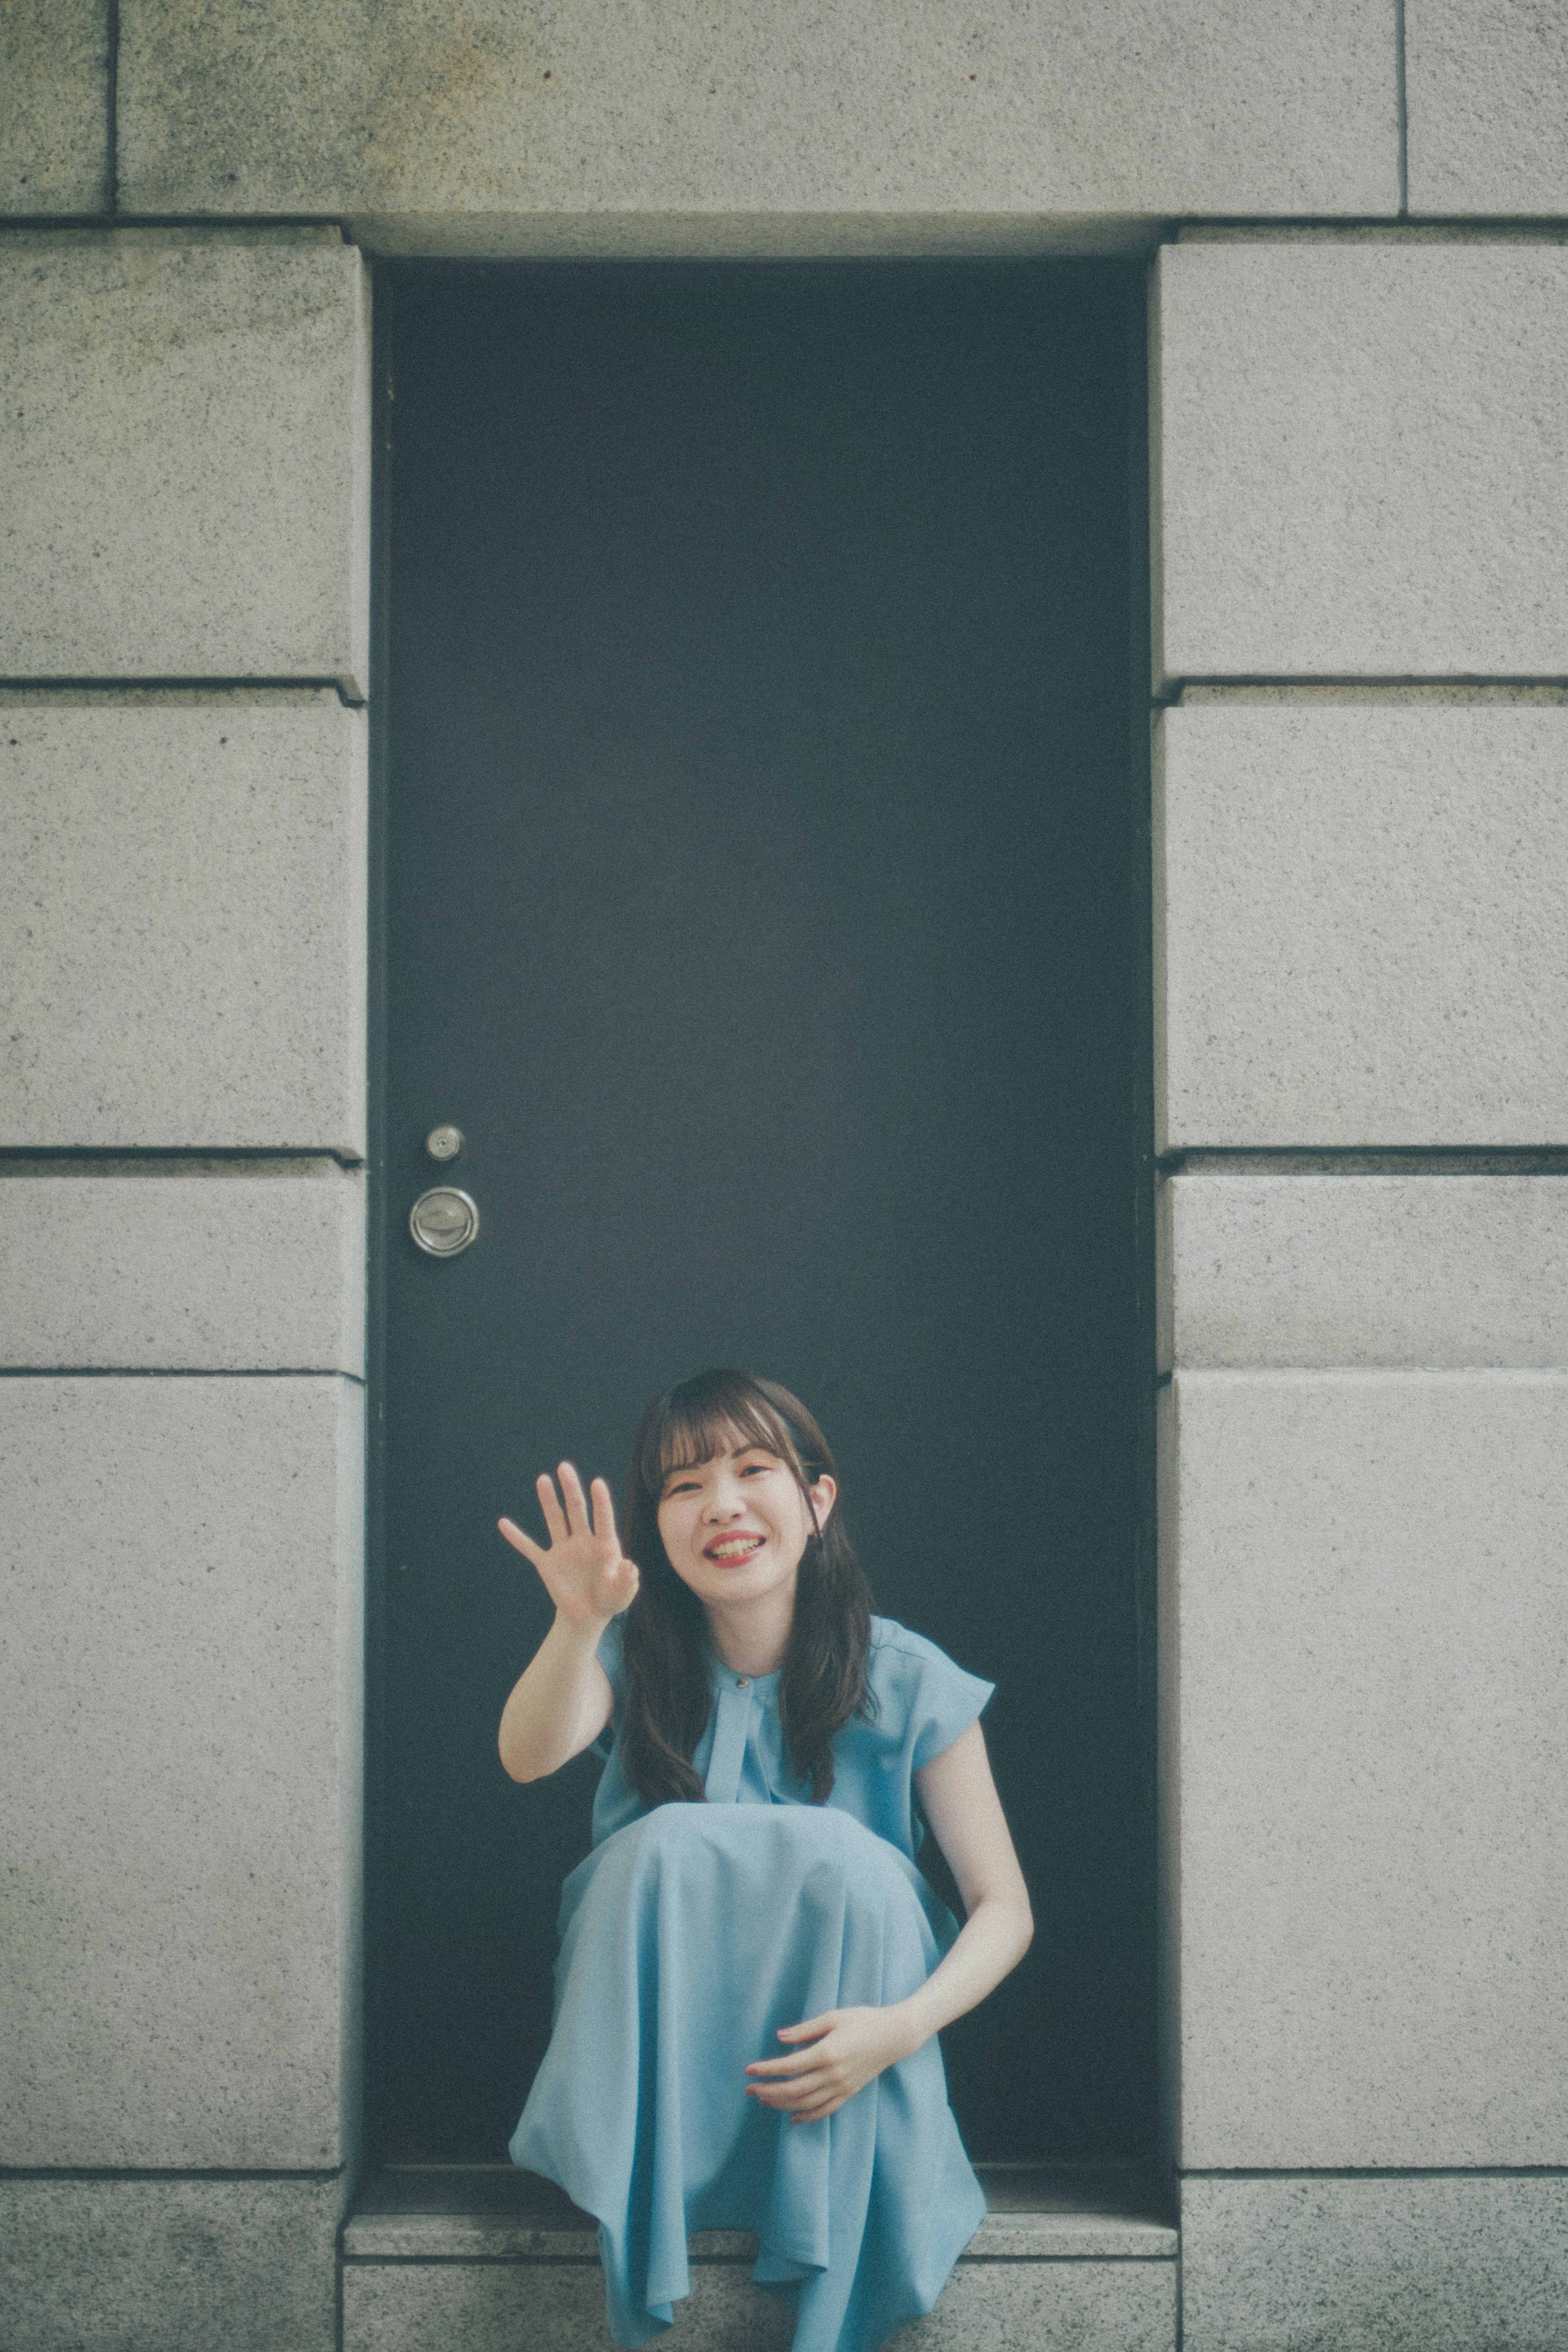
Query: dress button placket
(722, 1786)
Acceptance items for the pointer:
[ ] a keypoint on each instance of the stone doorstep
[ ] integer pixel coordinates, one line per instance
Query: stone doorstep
(494, 2213)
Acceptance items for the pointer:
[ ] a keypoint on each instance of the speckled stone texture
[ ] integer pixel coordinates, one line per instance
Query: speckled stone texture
(167, 2265)
(1488, 98)
(546, 2307)
(1361, 459)
(1367, 1617)
(1443, 2265)
(230, 1269)
(1050, 2307)
(54, 106)
(185, 455)
(1006, 2306)
(180, 1741)
(212, 853)
(1360, 925)
(438, 127)
(1428, 1269)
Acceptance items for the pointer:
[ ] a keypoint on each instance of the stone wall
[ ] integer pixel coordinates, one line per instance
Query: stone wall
(184, 534)
(1361, 877)
(1360, 457)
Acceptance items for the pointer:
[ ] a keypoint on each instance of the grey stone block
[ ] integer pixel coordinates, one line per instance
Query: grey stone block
(229, 1270)
(695, 128)
(167, 2265)
(1050, 2307)
(54, 106)
(212, 853)
(1360, 454)
(546, 2307)
(1488, 101)
(1412, 2265)
(1361, 925)
(185, 455)
(179, 1740)
(1361, 1583)
(1438, 1270)
(986, 2307)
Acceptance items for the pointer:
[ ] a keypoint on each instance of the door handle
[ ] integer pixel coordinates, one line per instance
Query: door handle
(444, 1221)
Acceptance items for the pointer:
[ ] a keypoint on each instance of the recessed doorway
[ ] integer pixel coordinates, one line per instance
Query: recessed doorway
(764, 870)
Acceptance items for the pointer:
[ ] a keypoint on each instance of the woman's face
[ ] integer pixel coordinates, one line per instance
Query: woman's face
(735, 1527)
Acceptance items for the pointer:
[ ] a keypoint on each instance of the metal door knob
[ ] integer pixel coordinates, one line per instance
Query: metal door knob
(444, 1221)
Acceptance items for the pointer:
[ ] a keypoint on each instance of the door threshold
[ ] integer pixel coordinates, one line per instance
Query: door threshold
(495, 2212)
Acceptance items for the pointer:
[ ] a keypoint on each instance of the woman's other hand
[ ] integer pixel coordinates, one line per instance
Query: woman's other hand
(844, 2050)
(583, 1567)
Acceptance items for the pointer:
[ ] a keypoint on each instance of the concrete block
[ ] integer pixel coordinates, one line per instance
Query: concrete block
(1361, 459)
(1363, 1579)
(708, 128)
(1487, 103)
(1374, 2265)
(54, 106)
(213, 855)
(229, 1270)
(1050, 2307)
(1361, 925)
(986, 2307)
(167, 2265)
(185, 455)
(1364, 1271)
(548, 2307)
(179, 1740)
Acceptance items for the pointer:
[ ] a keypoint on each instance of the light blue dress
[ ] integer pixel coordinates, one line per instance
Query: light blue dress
(688, 1937)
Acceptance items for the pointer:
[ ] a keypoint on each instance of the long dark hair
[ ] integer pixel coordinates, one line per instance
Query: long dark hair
(668, 1699)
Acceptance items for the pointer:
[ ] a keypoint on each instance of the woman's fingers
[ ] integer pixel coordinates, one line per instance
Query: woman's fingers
(789, 2097)
(520, 1542)
(844, 2048)
(800, 2062)
(797, 2062)
(575, 1499)
(797, 2098)
(604, 1511)
(549, 1504)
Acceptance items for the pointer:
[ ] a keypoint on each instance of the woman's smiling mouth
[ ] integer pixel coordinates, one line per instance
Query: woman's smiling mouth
(726, 1549)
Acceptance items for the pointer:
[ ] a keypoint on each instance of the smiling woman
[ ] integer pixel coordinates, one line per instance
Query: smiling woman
(803, 1605)
(752, 1881)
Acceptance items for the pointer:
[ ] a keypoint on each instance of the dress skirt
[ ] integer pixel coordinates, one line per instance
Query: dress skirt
(687, 1938)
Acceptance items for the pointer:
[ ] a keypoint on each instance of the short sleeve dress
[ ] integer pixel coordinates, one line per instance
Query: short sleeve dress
(689, 1935)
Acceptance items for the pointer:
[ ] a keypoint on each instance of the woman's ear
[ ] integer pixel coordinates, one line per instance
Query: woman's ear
(824, 1493)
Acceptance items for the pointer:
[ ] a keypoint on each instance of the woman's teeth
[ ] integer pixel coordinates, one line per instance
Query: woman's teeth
(738, 1547)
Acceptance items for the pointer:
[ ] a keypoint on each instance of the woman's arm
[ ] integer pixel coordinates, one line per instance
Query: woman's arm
(958, 1798)
(562, 1700)
(559, 1703)
(847, 2046)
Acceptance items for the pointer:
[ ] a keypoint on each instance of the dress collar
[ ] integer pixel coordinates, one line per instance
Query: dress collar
(723, 1677)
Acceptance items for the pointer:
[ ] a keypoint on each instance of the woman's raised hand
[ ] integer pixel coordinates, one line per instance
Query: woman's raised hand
(583, 1568)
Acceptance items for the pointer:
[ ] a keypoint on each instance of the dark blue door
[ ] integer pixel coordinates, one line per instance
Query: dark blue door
(763, 887)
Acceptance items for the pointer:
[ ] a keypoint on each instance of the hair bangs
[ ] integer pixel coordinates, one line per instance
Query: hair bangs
(716, 1413)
